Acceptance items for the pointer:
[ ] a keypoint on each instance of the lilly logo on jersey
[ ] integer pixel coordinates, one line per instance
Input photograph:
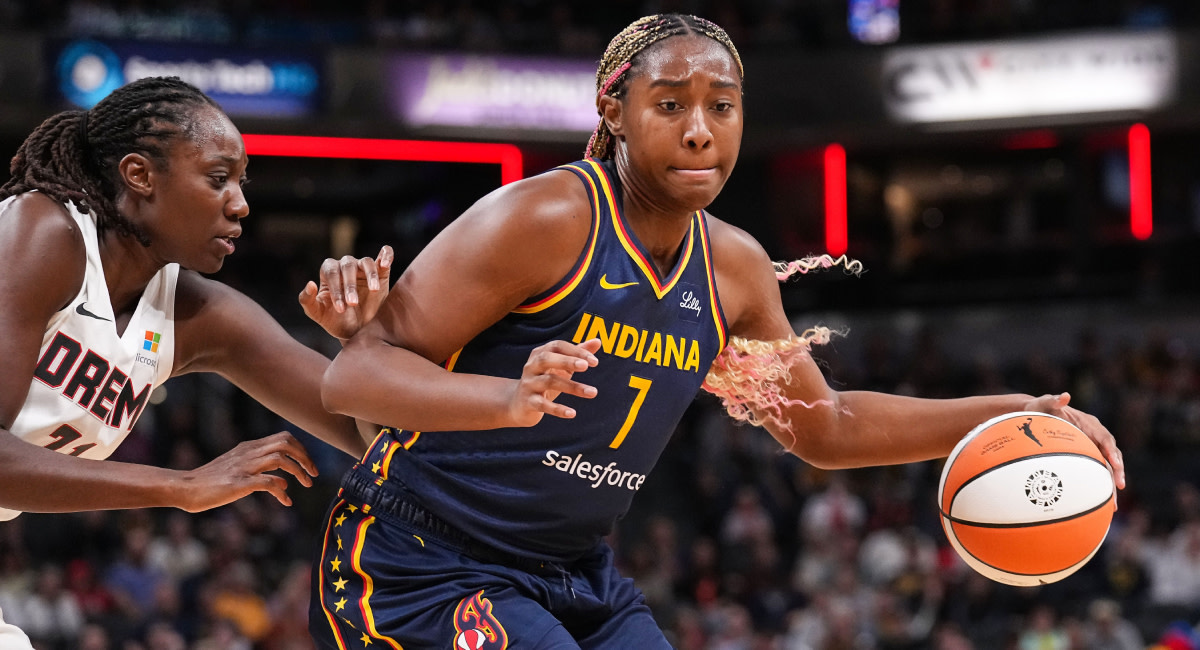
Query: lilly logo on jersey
(690, 301)
(90, 381)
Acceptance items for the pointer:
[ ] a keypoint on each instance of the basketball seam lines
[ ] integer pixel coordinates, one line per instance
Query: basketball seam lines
(1028, 524)
(1017, 460)
(1023, 524)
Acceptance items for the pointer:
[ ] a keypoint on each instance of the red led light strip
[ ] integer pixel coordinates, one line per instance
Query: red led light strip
(1141, 216)
(508, 156)
(836, 238)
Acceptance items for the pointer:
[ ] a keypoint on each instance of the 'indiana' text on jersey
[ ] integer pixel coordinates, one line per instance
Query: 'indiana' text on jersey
(553, 490)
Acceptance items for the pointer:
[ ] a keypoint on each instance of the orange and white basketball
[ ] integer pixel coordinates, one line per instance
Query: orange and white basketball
(1026, 498)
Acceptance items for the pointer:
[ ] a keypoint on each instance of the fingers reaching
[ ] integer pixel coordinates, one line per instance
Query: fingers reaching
(246, 469)
(548, 373)
(349, 293)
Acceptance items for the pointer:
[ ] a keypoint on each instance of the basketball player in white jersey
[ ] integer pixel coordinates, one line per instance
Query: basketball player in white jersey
(109, 218)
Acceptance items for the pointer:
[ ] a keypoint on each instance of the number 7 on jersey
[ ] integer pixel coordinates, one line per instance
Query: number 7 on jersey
(642, 386)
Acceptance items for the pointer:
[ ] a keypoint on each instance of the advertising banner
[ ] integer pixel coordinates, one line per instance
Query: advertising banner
(243, 82)
(1064, 75)
(494, 92)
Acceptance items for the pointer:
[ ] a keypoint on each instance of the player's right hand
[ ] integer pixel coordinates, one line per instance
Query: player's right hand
(1058, 405)
(244, 469)
(548, 374)
(350, 292)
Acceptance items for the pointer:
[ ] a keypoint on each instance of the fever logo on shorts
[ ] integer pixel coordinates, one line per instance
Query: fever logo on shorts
(152, 340)
(476, 627)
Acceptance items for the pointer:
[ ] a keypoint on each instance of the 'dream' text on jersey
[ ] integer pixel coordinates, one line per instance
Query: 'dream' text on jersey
(90, 381)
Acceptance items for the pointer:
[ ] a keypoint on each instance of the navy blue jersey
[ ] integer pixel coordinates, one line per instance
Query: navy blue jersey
(552, 490)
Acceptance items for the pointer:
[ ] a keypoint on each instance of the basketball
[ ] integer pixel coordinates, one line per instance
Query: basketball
(1026, 498)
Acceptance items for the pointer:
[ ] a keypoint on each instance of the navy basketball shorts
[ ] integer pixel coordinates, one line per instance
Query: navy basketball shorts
(391, 575)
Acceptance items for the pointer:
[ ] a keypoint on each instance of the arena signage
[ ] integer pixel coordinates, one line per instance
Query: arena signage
(1060, 76)
(243, 83)
(494, 92)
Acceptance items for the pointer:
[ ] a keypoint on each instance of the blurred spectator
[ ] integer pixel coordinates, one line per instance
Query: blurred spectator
(161, 636)
(177, 553)
(834, 511)
(51, 615)
(1173, 565)
(1043, 631)
(734, 630)
(93, 637)
(95, 601)
(232, 597)
(288, 610)
(748, 523)
(223, 635)
(133, 582)
(1106, 629)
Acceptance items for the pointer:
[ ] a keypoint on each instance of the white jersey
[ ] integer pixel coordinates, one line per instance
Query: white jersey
(90, 385)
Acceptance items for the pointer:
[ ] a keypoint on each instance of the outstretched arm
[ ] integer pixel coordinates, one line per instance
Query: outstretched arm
(512, 244)
(839, 429)
(350, 292)
(218, 329)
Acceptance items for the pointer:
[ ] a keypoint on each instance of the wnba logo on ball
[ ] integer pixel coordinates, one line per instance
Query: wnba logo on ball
(1043, 488)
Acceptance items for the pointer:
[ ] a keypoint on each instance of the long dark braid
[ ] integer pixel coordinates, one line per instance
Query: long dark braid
(619, 60)
(73, 155)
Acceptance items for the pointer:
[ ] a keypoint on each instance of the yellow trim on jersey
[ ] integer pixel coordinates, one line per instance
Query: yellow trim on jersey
(368, 585)
(374, 442)
(453, 360)
(387, 458)
(337, 634)
(714, 306)
(554, 298)
(660, 288)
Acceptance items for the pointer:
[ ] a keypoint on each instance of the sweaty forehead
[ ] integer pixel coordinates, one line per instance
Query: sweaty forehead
(679, 57)
(213, 134)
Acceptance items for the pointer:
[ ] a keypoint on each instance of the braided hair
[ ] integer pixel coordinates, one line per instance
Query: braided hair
(73, 155)
(619, 60)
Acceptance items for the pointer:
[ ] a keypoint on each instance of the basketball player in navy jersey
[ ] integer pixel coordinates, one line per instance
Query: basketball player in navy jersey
(105, 225)
(536, 356)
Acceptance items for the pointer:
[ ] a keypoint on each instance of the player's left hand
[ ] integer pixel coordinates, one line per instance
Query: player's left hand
(1099, 434)
(350, 293)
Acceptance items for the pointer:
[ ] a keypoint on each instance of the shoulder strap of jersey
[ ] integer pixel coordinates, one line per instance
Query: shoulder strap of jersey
(564, 287)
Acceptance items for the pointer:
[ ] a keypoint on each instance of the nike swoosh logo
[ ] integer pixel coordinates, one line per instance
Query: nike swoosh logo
(605, 284)
(84, 312)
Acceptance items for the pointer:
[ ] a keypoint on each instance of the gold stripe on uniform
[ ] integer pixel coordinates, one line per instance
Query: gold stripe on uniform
(364, 604)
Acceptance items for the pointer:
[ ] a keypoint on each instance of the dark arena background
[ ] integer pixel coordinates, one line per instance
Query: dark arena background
(1017, 177)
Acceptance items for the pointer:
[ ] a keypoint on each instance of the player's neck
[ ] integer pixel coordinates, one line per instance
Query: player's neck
(660, 234)
(659, 226)
(128, 267)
